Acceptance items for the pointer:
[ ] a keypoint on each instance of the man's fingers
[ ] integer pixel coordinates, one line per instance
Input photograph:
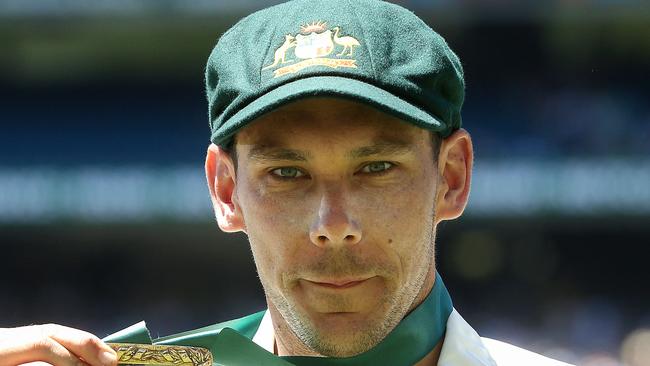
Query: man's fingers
(54, 344)
(28, 345)
(54, 353)
(83, 344)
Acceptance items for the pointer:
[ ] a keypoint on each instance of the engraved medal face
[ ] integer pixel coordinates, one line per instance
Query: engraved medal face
(147, 354)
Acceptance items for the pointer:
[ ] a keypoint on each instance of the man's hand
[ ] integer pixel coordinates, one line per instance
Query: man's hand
(54, 344)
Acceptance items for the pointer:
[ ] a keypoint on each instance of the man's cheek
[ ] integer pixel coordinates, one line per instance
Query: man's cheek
(266, 213)
(275, 209)
(275, 237)
(396, 208)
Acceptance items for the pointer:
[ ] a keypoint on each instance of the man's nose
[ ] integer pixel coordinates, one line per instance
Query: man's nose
(334, 224)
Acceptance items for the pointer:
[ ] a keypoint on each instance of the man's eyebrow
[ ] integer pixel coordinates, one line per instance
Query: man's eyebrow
(381, 148)
(267, 153)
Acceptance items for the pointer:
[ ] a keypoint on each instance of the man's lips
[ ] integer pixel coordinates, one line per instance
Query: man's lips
(338, 283)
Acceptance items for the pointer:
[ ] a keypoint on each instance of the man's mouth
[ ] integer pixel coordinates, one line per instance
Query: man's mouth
(338, 283)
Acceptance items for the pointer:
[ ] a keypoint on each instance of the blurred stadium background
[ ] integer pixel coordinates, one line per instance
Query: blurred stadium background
(105, 218)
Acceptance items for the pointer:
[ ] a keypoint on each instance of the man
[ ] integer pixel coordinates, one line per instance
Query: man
(337, 149)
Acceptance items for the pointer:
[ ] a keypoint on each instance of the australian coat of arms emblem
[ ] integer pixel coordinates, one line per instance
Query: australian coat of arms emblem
(311, 47)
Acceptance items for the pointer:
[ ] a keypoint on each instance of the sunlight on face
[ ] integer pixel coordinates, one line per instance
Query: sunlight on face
(338, 202)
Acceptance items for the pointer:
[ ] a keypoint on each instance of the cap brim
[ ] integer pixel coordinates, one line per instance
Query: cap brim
(335, 86)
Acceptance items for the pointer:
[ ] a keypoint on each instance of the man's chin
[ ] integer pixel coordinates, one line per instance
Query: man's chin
(342, 322)
(344, 334)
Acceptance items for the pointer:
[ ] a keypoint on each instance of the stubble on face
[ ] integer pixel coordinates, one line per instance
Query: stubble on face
(397, 249)
(395, 303)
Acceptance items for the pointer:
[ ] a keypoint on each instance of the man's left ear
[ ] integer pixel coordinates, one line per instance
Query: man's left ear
(220, 174)
(455, 175)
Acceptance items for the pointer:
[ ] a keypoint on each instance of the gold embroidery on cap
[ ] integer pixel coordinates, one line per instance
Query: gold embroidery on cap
(312, 44)
(281, 52)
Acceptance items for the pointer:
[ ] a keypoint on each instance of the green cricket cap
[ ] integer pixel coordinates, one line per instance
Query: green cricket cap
(367, 50)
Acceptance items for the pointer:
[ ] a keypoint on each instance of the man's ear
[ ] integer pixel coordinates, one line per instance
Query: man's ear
(220, 173)
(455, 175)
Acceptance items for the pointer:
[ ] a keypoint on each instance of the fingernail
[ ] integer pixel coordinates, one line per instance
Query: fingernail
(108, 358)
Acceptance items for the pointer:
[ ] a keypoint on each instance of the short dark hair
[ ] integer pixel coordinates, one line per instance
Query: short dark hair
(436, 143)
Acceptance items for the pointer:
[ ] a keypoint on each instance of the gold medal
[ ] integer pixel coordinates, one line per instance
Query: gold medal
(159, 355)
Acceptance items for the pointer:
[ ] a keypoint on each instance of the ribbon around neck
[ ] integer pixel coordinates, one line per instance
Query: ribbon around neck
(230, 343)
(413, 338)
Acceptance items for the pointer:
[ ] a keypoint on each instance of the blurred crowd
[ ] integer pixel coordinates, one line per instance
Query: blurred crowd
(104, 99)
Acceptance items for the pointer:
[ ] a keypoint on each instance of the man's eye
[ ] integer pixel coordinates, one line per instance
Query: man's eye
(376, 167)
(287, 172)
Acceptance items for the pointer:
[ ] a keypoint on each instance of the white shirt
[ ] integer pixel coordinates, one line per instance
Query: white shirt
(462, 347)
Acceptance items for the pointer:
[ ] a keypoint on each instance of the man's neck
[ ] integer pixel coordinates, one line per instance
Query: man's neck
(283, 349)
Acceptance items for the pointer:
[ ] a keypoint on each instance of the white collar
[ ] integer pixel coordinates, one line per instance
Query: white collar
(462, 345)
(265, 336)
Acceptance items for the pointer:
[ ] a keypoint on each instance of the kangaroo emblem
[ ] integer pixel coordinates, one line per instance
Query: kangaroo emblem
(311, 48)
(281, 52)
(347, 42)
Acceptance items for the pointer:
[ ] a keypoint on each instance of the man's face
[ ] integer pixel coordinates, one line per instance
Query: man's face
(337, 200)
